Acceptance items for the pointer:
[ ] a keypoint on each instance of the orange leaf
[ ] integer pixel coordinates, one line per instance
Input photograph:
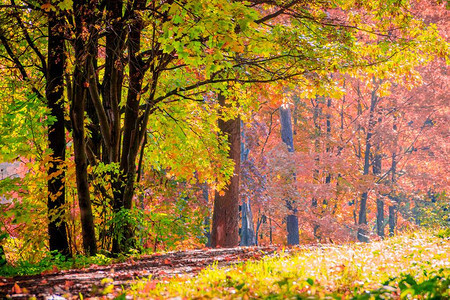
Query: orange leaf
(16, 289)
(68, 284)
(46, 6)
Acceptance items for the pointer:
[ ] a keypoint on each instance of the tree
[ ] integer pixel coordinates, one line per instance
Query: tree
(225, 223)
(52, 69)
(247, 233)
(56, 135)
(288, 139)
(136, 71)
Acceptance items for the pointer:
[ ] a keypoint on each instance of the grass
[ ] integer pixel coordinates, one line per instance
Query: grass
(410, 267)
(52, 263)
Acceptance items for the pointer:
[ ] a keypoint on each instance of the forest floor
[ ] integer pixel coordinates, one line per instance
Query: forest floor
(100, 280)
(414, 266)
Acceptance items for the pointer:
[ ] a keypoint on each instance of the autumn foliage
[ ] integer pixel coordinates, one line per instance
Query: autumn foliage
(168, 110)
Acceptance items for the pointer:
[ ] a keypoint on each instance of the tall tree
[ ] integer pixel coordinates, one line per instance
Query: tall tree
(247, 229)
(362, 217)
(225, 223)
(56, 134)
(83, 60)
(293, 237)
(52, 69)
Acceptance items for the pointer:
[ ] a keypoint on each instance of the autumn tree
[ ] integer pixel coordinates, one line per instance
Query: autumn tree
(50, 64)
(137, 72)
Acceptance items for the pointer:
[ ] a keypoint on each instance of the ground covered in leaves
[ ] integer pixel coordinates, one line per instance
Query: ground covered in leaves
(112, 279)
(405, 267)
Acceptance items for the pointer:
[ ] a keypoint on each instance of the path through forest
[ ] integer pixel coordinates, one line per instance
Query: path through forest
(94, 280)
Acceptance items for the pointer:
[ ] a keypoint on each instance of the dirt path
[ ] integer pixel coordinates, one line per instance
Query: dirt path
(91, 282)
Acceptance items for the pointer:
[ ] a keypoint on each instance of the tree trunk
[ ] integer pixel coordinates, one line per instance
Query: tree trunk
(113, 77)
(247, 228)
(79, 139)
(380, 217)
(380, 202)
(392, 220)
(316, 172)
(57, 229)
(293, 237)
(392, 208)
(328, 147)
(132, 140)
(362, 218)
(225, 224)
(247, 231)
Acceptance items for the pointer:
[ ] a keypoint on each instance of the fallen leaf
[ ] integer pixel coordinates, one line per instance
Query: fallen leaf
(16, 289)
(68, 284)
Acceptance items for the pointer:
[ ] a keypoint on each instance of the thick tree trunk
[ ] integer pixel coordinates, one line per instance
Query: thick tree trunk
(293, 237)
(225, 224)
(56, 136)
(79, 139)
(286, 128)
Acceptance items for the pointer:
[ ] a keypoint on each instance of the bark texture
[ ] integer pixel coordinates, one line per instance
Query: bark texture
(79, 93)
(225, 224)
(57, 229)
(293, 237)
(247, 231)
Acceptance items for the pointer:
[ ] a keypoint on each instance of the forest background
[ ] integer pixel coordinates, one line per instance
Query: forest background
(169, 125)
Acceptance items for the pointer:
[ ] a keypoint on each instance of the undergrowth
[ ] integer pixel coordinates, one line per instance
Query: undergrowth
(53, 263)
(408, 267)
